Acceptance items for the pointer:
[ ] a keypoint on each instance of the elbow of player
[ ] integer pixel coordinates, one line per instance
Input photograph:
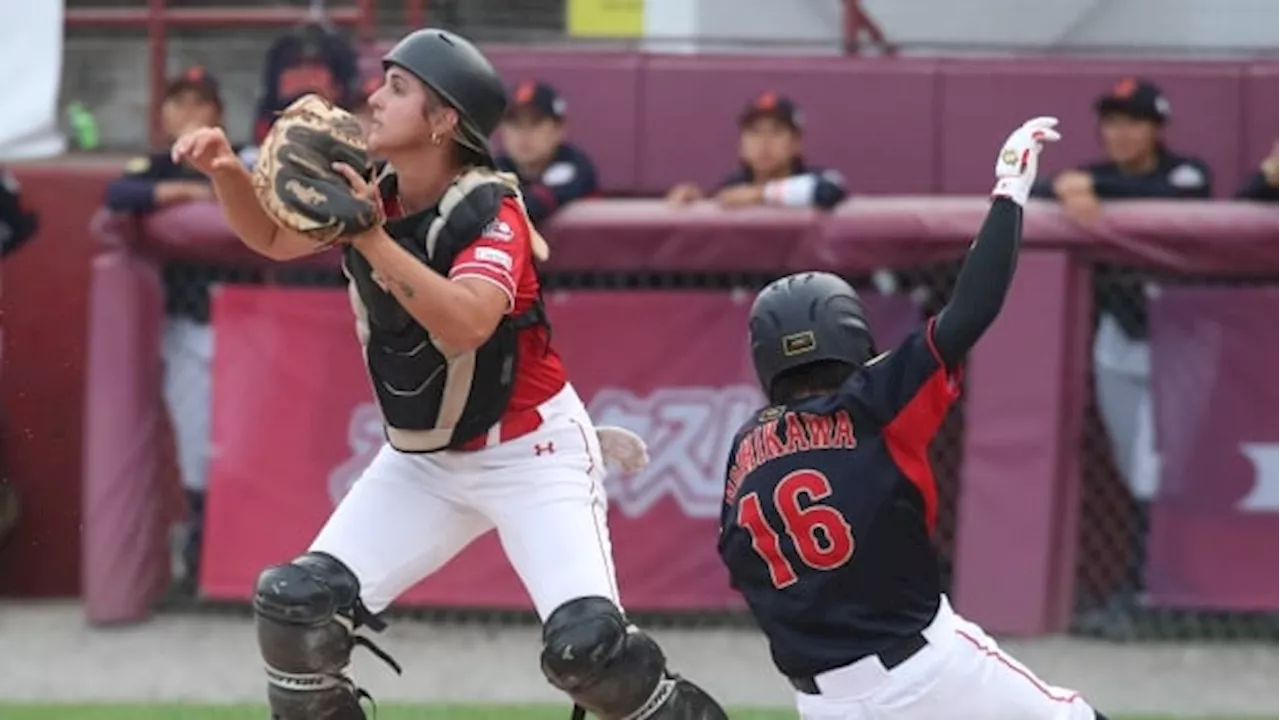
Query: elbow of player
(461, 342)
(828, 195)
(464, 335)
(986, 313)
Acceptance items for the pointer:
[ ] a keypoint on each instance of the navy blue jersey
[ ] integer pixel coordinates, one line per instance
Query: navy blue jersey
(1257, 187)
(1174, 177)
(569, 176)
(816, 187)
(830, 502)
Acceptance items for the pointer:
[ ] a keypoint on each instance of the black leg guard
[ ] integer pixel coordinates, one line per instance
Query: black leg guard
(613, 670)
(307, 612)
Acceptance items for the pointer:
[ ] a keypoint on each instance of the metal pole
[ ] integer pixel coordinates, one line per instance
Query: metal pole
(415, 14)
(367, 26)
(158, 56)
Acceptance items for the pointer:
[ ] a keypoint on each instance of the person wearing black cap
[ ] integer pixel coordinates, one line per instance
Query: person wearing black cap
(552, 171)
(484, 430)
(1262, 184)
(1131, 122)
(773, 170)
(191, 100)
(151, 182)
(310, 58)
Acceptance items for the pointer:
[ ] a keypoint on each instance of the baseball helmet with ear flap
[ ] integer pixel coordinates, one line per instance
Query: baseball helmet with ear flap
(460, 74)
(806, 318)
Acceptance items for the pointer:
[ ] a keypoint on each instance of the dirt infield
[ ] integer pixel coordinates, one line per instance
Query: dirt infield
(51, 654)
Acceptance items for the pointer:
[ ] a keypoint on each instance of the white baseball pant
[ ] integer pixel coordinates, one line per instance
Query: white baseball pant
(1122, 386)
(961, 674)
(187, 347)
(409, 514)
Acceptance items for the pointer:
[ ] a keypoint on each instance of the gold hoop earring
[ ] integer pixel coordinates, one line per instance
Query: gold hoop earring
(435, 139)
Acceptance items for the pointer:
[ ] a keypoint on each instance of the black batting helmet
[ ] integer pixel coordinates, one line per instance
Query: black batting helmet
(807, 318)
(456, 71)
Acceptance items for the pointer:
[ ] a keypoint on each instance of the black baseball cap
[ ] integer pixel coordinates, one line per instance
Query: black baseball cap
(772, 105)
(198, 81)
(538, 98)
(1136, 98)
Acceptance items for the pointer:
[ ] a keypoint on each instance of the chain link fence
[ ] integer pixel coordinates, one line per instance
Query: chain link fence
(188, 287)
(1120, 473)
(1109, 602)
(187, 346)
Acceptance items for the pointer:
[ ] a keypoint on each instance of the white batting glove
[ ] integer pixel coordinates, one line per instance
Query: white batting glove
(622, 448)
(1020, 158)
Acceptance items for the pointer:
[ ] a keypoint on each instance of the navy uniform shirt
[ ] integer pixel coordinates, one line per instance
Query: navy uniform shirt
(569, 176)
(1174, 176)
(1257, 188)
(823, 188)
(1119, 291)
(829, 506)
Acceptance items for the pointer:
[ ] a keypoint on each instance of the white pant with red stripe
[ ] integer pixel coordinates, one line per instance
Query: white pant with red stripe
(960, 675)
(409, 514)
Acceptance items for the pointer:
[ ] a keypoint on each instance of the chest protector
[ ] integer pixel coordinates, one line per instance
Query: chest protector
(431, 401)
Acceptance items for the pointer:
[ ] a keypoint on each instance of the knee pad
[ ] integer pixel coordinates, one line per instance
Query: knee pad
(609, 667)
(306, 614)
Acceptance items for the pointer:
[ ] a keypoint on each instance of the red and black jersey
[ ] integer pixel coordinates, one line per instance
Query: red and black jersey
(829, 505)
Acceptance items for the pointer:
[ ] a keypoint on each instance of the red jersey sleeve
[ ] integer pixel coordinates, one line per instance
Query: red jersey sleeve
(500, 255)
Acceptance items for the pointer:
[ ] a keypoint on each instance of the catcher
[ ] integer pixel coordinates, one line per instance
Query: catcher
(483, 429)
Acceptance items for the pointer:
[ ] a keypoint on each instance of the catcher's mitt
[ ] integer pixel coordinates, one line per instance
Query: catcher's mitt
(294, 176)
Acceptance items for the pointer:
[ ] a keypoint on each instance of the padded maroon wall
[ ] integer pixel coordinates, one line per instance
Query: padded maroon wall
(893, 126)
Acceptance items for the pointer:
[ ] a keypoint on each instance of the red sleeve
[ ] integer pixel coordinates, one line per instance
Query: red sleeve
(500, 255)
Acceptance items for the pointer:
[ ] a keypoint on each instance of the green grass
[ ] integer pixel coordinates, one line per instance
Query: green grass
(435, 712)
(243, 712)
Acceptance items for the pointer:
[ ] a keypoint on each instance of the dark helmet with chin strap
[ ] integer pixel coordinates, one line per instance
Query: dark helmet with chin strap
(464, 78)
(804, 319)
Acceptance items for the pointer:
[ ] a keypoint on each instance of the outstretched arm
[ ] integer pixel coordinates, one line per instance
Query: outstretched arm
(208, 151)
(988, 269)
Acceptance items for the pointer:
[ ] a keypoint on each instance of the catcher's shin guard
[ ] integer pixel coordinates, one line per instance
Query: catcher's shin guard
(307, 612)
(613, 670)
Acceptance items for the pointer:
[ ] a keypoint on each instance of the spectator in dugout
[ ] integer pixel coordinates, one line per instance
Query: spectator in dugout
(1132, 118)
(1261, 185)
(314, 57)
(553, 171)
(772, 169)
(1139, 164)
(151, 183)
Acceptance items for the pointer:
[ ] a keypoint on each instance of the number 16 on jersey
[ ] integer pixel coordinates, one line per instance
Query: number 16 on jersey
(819, 533)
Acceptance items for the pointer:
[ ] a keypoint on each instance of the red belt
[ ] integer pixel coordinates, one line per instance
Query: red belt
(511, 426)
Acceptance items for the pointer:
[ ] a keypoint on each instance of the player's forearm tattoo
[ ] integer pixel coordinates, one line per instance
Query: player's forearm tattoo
(390, 282)
(405, 288)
